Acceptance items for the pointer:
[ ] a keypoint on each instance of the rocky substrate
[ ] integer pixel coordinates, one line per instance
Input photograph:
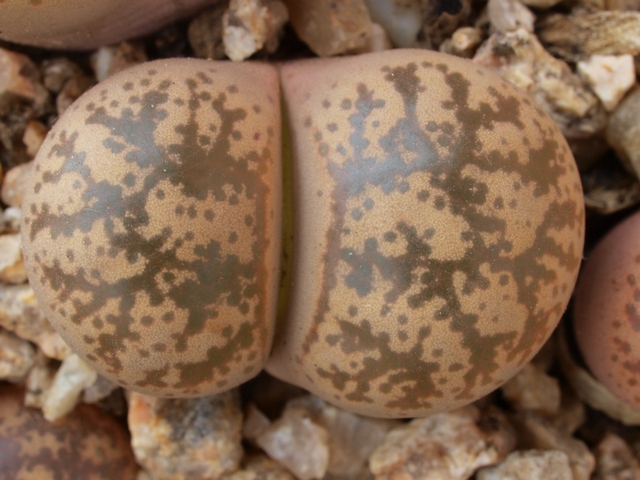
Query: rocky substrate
(577, 59)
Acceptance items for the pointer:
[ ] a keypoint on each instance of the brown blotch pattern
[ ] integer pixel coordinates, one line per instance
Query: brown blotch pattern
(159, 264)
(446, 248)
(88, 443)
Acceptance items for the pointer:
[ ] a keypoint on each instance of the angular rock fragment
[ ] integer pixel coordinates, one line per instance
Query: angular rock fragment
(533, 389)
(584, 33)
(260, 467)
(12, 268)
(509, 15)
(14, 184)
(615, 460)
(537, 432)
(38, 381)
(205, 33)
(444, 445)
(17, 356)
(520, 58)
(109, 60)
(299, 444)
(329, 27)
(463, 43)
(188, 439)
(401, 20)
(34, 134)
(623, 131)
(70, 380)
(530, 465)
(21, 314)
(250, 25)
(609, 76)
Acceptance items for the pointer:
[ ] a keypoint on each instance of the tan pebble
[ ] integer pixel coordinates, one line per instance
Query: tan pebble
(14, 183)
(34, 134)
(11, 263)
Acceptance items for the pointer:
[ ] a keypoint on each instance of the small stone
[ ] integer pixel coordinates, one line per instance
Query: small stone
(509, 15)
(463, 43)
(329, 27)
(615, 460)
(109, 60)
(17, 356)
(520, 58)
(255, 422)
(586, 32)
(609, 187)
(533, 389)
(401, 20)
(14, 183)
(297, 443)
(378, 41)
(440, 19)
(12, 268)
(19, 77)
(623, 131)
(10, 220)
(572, 414)
(34, 134)
(98, 390)
(21, 314)
(205, 33)
(530, 465)
(39, 381)
(444, 445)
(352, 438)
(74, 87)
(70, 380)
(609, 76)
(57, 71)
(260, 467)
(250, 25)
(537, 432)
(195, 438)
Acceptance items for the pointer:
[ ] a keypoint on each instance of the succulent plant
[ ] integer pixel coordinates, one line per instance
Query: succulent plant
(433, 228)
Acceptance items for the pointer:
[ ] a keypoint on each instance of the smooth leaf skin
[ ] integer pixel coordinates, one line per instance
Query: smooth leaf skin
(439, 227)
(152, 225)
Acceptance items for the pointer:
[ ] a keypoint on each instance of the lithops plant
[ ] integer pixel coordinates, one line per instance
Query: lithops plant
(87, 444)
(87, 24)
(152, 226)
(439, 227)
(434, 239)
(606, 311)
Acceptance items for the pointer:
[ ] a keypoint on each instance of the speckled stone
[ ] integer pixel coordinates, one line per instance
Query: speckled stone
(530, 465)
(159, 264)
(186, 439)
(89, 444)
(439, 229)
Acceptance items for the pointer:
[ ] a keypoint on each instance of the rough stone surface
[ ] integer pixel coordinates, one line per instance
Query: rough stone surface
(401, 20)
(70, 380)
(585, 32)
(623, 131)
(260, 467)
(352, 438)
(19, 77)
(610, 77)
(11, 263)
(533, 389)
(17, 356)
(190, 439)
(205, 33)
(537, 432)
(109, 60)
(520, 58)
(21, 314)
(530, 465)
(34, 134)
(509, 15)
(39, 381)
(328, 27)
(250, 25)
(10, 220)
(297, 443)
(615, 460)
(14, 183)
(444, 445)
(463, 43)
